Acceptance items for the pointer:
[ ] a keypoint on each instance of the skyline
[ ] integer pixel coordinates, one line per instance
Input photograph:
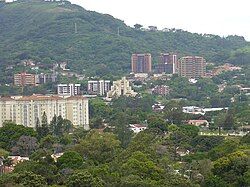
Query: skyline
(214, 17)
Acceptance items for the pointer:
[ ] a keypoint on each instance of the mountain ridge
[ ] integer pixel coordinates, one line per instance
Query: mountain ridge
(51, 32)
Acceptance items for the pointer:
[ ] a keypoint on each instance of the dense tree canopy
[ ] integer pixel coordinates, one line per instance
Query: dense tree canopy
(10, 133)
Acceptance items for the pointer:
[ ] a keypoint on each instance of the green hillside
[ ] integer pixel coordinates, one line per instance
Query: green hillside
(46, 32)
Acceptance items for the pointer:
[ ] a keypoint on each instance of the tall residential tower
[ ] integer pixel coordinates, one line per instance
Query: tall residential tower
(99, 87)
(167, 63)
(192, 67)
(141, 63)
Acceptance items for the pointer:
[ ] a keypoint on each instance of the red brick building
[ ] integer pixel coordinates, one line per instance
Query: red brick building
(23, 79)
(141, 63)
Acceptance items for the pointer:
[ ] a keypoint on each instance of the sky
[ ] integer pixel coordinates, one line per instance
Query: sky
(220, 17)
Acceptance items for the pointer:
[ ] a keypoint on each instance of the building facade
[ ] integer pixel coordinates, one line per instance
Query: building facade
(167, 63)
(68, 89)
(141, 63)
(161, 90)
(26, 110)
(100, 87)
(192, 67)
(24, 79)
(45, 78)
(120, 88)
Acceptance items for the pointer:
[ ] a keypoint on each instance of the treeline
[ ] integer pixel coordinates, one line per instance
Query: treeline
(150, 159)
(168, 153)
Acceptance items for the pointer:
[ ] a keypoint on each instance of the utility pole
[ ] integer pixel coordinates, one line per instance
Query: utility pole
(118, 31)
(76, 31)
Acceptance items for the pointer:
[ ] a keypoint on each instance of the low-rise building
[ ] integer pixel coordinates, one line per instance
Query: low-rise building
(245, 90)
(44, 78)
(24, 79)
(161, 90)
(55, 156)
(199, 123)
(182, 151)
(198, 110)
(136, 128)
(17, 159)
(158, 107)
(193, 110)
(63, 66)
(141, 75)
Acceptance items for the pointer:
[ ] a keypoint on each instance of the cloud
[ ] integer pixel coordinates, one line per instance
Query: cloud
(222, 17)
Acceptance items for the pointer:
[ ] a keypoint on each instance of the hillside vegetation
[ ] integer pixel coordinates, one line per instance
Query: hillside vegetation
(51, 31)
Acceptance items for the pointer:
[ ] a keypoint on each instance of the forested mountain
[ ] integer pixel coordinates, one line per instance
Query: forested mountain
(89, 41)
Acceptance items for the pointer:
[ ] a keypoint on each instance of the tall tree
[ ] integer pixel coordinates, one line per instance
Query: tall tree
(25, 146)
(70, 159)
(122, 131)
(99, 147)
(45, 122)
(138, 26)
(59, 126)
(10, 133)
(43, 129)
(229, 121)
(37, 126)
(84, 179)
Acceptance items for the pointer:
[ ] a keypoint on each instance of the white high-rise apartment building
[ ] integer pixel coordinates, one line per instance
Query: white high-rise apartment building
(25, 110)
(68, 89)
(100, 87)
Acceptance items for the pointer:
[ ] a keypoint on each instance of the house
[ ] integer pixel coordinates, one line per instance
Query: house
(17, 159)
(4, 168)
(158, 107)
(63, 66)
(182, 151)
(193, 110)
(56, 156)
(245, 90)
(214, 109)
(198, 123)
(192, 81)
(136, 128)
(161, 90)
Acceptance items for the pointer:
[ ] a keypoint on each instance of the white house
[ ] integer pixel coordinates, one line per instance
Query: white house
(199, 123)
(136, 128)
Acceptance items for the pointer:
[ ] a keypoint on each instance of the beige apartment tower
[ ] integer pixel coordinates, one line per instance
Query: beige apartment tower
(25, 110)
(192, 67)
(121, 88)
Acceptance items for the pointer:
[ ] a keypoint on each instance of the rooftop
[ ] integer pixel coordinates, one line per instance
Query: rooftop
(38, 97)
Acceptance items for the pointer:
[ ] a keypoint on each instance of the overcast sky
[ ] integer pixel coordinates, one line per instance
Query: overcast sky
(221, 17)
